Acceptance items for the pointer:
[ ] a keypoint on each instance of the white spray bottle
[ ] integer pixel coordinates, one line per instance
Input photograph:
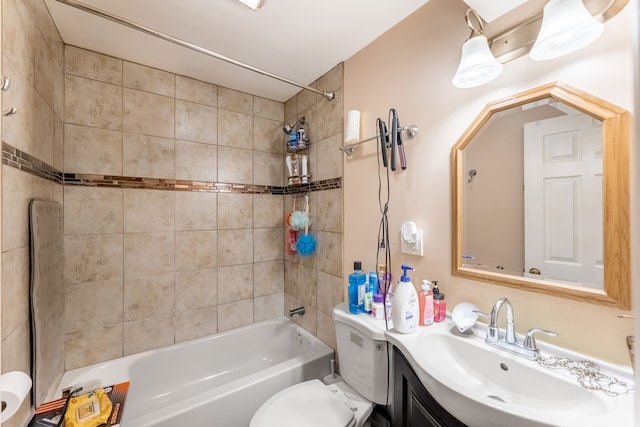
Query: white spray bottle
(405, 310)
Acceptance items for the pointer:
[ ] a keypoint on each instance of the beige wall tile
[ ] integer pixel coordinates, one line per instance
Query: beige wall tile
(268, 211)
(235, 129)
(268, 169)
(326, 330)
(235, 165)
(235, 247)
(240, 102)
(196, 161)
(90, 210)
(268, 135)
(58, 143)
(138, 204)
(329, 158)
(268, 307)
(291, 302)
(147, 156)
(306, 286)
(331, 114)
(235, 314)
(93, 305)
(290, 284)
(92, 150)
(45, 69)
(92, 103)
(148, 334)
(268, 244)
(290, 109)
(195, 250)
(193, 90)
(309, 320)
(330, 292)
(140, 77)
(306, 99)
(329, 255)
(268, 109)
(17, 130)
(196, 289)
(92, 65)
(235, 211)
(89, 346)
(146, 254)
(15, 290)
(18, 34)
(147, 113)
(148, 296)
(196, 211)
(196, 122)
(329, 203)
(332, 80)
(43, 130)
(197, 323)
(268, 278)
(17, 191)
(235, 283)
(89, 258)
(16, 350)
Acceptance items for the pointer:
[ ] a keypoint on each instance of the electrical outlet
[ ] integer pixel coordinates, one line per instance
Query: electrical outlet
(412, 248)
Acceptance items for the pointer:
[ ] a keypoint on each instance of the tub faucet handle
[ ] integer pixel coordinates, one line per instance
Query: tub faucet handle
(296, 312)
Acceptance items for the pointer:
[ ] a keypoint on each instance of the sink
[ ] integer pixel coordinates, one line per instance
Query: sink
(485, 386)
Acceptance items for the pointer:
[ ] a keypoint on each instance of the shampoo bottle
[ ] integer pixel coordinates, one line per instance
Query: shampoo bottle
(405, 305)
(425, 301)
(370, 289)
(357, 289)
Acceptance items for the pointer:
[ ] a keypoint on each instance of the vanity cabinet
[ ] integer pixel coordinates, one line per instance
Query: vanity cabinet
(413, 406)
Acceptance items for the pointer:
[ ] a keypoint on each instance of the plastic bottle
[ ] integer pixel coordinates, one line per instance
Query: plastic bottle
(425, 301)
(439, 304)
(377, 309)
(388, 303)
(370, 289)
(357, 289)
(405, 305)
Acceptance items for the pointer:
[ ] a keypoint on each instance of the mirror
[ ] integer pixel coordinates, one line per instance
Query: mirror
(540, 193)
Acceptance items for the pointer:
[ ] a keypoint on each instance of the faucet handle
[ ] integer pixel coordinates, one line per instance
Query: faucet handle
(530, 341)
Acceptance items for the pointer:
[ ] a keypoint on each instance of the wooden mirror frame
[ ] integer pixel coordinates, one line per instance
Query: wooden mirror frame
(616, 135)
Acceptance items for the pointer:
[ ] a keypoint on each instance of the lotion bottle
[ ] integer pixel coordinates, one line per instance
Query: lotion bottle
(405, 308)
(425, 301)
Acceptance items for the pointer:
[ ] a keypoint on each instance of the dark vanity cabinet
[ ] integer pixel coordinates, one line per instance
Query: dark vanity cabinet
(413, 406)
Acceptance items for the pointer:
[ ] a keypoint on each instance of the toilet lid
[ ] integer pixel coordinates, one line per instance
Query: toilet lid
(309, 404)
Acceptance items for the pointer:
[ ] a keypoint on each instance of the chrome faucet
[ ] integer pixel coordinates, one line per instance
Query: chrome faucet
(528, 349)
(296, 312)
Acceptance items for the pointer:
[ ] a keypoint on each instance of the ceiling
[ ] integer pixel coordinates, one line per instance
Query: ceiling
(297, 39)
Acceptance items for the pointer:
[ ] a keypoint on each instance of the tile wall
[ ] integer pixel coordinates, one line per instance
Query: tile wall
(168, 265)
(316, 281)
(32, 57)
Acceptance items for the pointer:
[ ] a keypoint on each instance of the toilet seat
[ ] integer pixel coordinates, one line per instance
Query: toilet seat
(309, 404)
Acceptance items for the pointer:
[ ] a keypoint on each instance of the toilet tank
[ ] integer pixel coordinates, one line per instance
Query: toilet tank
(362, 353)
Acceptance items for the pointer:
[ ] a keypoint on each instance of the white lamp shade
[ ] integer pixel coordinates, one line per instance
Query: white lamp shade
(566, 27)
(477, 64)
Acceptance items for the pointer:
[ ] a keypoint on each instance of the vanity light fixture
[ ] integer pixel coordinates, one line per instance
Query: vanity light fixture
(477, 64)
(566, 27)
(253, 4)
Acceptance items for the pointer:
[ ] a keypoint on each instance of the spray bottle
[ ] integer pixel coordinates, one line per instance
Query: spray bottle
(405, 312)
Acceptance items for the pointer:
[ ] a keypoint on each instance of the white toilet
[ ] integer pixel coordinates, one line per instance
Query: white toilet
(362, 350)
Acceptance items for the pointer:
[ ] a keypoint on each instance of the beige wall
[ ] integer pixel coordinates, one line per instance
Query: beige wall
(410, 68)
(32, 57)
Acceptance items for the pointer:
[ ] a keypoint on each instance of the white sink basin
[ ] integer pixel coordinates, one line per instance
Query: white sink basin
(484, 386)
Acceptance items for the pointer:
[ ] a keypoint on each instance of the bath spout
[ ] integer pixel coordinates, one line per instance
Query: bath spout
(296, 312)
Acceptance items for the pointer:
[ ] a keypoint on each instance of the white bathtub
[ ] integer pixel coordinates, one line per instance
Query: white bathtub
(219, 380)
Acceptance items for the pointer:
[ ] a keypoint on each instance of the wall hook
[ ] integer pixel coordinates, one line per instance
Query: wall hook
(472, 173)
(10, 112)
(5, 83)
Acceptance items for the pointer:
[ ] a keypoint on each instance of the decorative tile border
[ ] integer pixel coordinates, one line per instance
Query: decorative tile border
(18, 159)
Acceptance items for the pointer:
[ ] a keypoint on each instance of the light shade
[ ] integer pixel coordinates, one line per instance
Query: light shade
(477, 64)
(566, 27)
(253, 4)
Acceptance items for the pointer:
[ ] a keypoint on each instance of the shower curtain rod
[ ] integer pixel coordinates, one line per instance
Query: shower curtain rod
(149, 31)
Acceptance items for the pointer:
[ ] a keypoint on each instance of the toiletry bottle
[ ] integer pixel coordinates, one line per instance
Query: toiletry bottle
(439, 304)
(425, 301)
(356, 289)
(377, 309)
(405, 305)
(370, 289)
(388, 303)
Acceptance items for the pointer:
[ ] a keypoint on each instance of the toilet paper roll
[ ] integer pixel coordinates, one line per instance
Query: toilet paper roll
(14, 387)
(352, 133)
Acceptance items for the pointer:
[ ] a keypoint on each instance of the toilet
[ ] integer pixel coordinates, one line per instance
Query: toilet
(362, 349)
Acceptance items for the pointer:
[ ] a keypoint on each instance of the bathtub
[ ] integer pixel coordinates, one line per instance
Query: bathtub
(219, 380)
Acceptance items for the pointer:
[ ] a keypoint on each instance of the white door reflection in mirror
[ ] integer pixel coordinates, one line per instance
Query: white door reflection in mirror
(563, 200)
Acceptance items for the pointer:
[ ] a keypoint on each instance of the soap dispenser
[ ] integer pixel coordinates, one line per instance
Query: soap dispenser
(439, 304)
(405, 305)
(425, 302)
